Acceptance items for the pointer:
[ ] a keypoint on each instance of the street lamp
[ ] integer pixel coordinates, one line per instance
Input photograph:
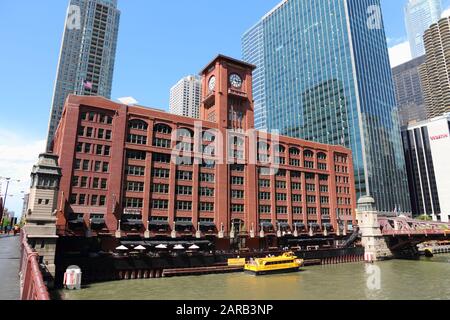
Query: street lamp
(8, 180)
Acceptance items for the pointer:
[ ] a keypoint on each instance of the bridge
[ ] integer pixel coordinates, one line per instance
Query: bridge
(386, 237)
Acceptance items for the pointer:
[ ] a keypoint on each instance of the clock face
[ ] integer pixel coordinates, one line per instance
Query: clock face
(212, 83)
(235, 80)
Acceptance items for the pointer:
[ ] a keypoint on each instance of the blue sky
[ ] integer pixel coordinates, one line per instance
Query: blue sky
(159, 42)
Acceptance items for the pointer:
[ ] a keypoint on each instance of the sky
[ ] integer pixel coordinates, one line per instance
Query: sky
(160, 41)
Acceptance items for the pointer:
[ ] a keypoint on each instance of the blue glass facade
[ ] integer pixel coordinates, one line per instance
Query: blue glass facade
(327, 78)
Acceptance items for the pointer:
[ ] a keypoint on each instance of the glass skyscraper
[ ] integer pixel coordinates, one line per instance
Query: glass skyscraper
(419, 16)
(324, 75)
(88, 50)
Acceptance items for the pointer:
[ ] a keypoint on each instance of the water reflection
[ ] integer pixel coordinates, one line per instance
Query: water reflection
(398, 279)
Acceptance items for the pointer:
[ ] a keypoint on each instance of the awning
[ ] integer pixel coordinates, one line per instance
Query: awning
(207, 224)
(98, 221)
(184, 223)
(299, 225)
(158, 223)
(328, 225)
(133, 243)
(266, 225)
(284, 225)
(314, 225)
(133, 222)
(171, 243)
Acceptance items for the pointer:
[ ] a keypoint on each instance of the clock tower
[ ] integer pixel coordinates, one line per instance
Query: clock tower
(228, 101)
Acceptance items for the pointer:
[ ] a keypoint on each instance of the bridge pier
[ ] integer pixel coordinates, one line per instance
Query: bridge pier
(373, 240)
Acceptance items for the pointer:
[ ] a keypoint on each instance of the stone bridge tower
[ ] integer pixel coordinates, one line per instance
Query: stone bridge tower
(372, 239)
(40, 226)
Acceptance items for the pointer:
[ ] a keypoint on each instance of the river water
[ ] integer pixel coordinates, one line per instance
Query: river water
(423, 279)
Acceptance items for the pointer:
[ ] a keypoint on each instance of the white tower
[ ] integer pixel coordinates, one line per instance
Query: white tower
(185, 97)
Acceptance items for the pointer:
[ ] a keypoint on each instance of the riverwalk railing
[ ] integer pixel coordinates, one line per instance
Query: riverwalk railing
(32, 285)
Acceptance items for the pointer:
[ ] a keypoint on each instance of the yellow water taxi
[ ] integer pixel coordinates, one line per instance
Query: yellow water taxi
(287, 262)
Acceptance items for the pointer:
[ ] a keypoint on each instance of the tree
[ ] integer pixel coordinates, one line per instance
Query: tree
(425, 217)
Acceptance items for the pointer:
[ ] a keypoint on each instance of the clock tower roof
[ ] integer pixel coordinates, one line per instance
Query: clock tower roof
(229, 59)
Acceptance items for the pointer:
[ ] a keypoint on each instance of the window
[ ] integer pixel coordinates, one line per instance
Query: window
(162, 128)
(294, 151)
(79, 147)
(160, 204)
(323, 188)
(104, 183)
(297, 198)
(94, 200)
(207, 177)
(322, 166)
(162, 143)
(237, 194)
(136, 155)
(281, 196)
(84, 181)
(311, 211)
(102, 200)
(309, 164)
(161, 173)
(184, 133)
(75, 181)
(77, 164)
(161, 157)
(184, 205)
(281, 210)
(206, 192)
(87, 148)
(297, 210)
(264, 196)
(207, 206)
(85, 165)
(97, 166)
(100, 133)
(95, 183)
(99, 150)
(321, 156)
(105, 167)
(308, 154)
(237, 180)
(264, 183)
(135, 186)
(184, 190)
(208, 136)
(135, 170)
(82, 199)
(237, 167)
(81, 131)
(311, 199)
(89, 132)
(281, 184)
(237, 208)
(310, 187)
(294, 162)
(73, 198)
(137, 139)
(296, 186)
(108, 135)
(184, 175)
(281, 173)
(138, 125)
(133, 203)
(160, 188)
(265, 209)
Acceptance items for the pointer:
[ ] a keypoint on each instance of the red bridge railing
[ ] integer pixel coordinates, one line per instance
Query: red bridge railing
(32, 285)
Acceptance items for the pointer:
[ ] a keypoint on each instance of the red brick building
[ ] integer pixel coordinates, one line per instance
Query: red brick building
(148, 173)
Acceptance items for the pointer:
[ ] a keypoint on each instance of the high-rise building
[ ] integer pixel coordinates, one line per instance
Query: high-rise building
(435, 72)
(327, 78)
(419, 15)
(86, 61)
(185, 97)
(427, 150)
(409, 92)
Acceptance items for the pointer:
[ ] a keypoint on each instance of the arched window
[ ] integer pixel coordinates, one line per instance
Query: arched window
(208, 136)
(138, 124)
(308, 154)
(162, 128)
(280, 149)
(294, 151)
(321, 156)
(184, 132)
